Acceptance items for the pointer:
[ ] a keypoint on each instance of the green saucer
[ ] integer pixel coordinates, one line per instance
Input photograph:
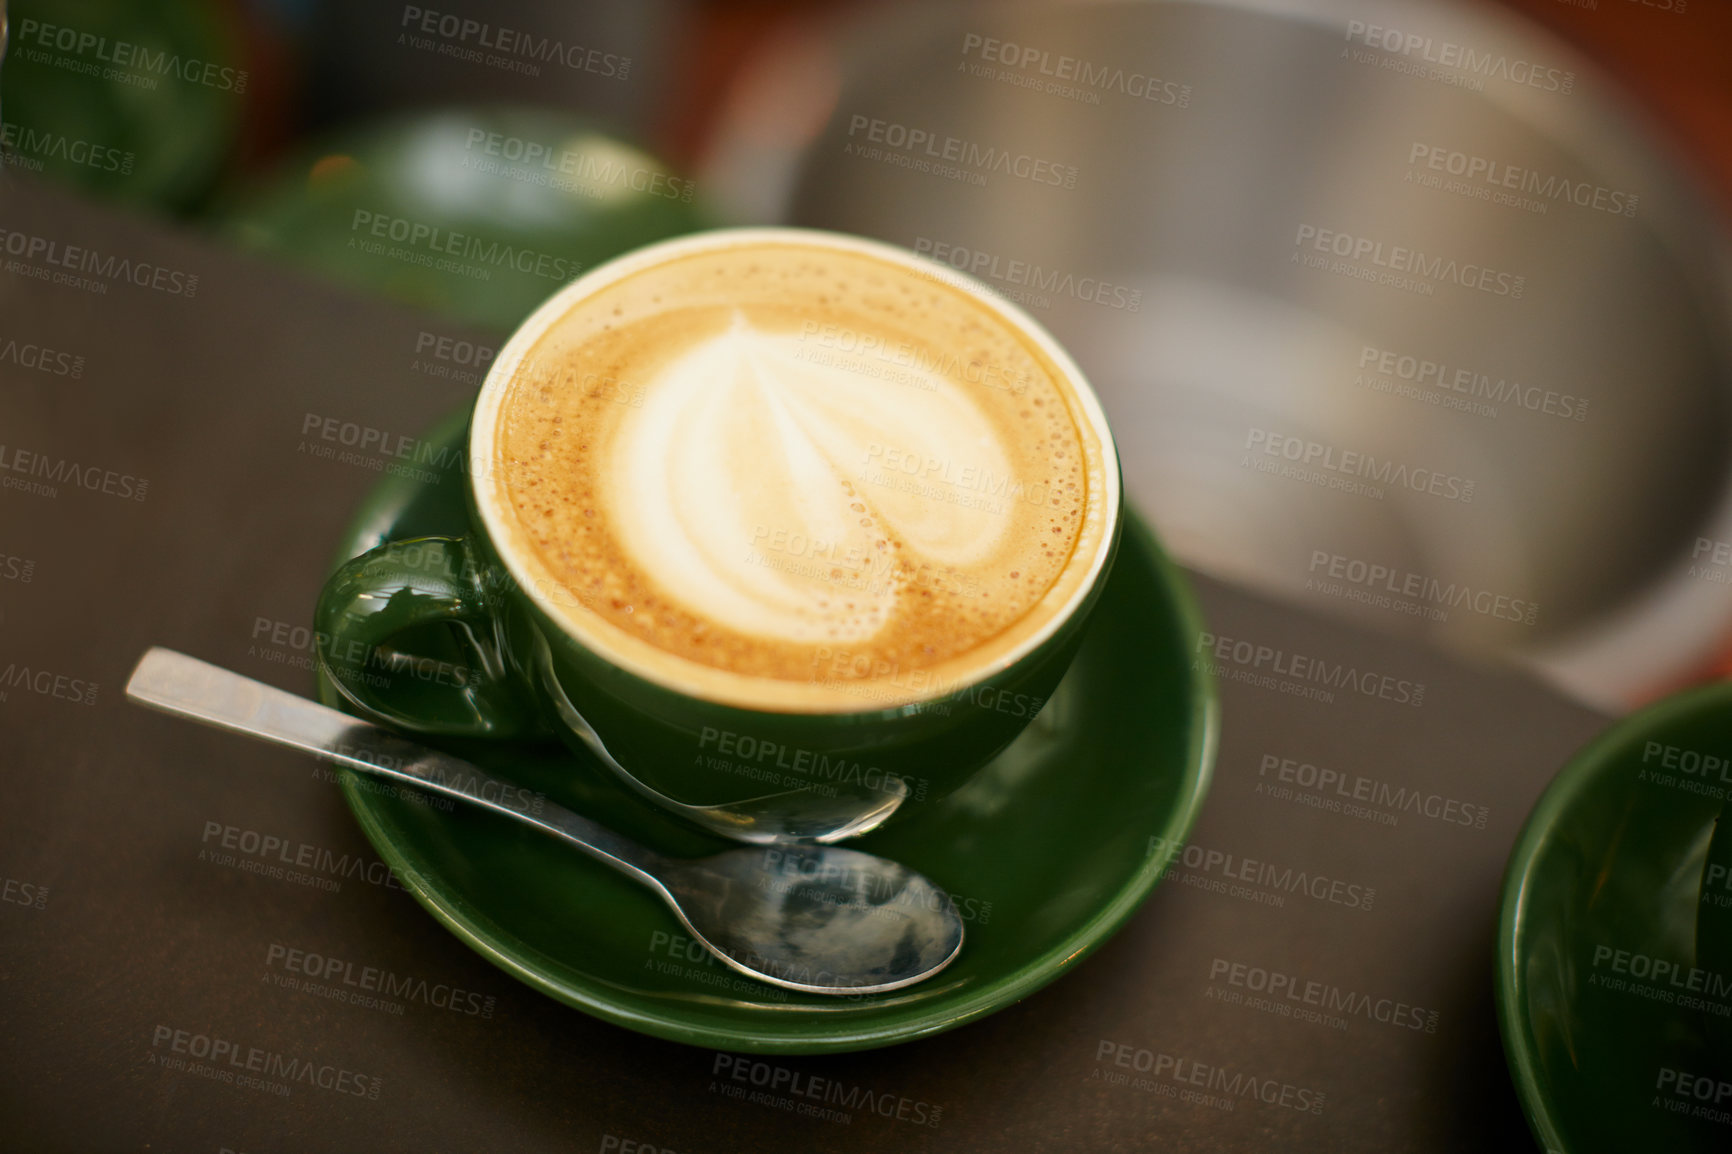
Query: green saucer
(1611, 1014)
(1046, 851)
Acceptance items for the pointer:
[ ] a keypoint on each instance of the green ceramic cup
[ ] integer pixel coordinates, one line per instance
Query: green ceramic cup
(456, 636)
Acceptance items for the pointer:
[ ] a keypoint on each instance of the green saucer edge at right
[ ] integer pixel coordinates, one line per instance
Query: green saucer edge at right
(1543, 832)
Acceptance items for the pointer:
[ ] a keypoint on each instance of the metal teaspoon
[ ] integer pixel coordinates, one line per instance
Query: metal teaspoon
(812, 918)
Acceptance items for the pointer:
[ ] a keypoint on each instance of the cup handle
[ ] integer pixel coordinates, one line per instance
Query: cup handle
(390, 623)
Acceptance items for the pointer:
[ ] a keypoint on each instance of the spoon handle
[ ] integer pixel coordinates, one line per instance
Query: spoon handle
(187, 687)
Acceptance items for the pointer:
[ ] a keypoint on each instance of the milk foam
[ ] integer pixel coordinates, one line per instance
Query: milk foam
(794, 477)
(749, 439)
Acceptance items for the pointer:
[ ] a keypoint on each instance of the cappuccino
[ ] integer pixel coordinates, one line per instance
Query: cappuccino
(795, 472)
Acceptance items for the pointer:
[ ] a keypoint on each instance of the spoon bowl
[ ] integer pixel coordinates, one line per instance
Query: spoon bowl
(817, 918)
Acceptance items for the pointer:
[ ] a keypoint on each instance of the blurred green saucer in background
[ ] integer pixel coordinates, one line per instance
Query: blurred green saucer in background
(480, 214)
(139, 101)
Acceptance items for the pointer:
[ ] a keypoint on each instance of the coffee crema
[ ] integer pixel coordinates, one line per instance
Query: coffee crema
(796, 475)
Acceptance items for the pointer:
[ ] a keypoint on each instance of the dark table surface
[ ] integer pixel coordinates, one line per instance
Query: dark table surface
(155, 488)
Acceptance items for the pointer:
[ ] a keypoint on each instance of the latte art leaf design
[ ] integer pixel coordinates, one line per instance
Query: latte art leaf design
(753, 482)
